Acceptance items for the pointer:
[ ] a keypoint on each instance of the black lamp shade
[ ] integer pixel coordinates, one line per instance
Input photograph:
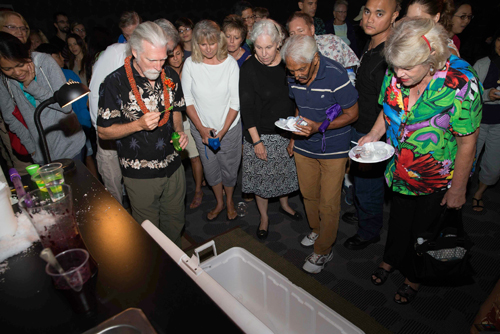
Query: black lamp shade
(70, 92)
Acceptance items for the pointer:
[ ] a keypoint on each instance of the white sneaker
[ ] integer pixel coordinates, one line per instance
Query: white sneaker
(315, 262)
(309, 239)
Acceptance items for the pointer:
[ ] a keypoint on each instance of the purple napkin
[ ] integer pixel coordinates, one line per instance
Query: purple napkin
(331, 114)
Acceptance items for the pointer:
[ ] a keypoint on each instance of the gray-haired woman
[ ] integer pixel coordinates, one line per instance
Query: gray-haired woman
(210, 86)
(431, 110)
(268, 170)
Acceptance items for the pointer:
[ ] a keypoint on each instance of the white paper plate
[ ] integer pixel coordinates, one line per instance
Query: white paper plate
(282, 125)
(373, 146)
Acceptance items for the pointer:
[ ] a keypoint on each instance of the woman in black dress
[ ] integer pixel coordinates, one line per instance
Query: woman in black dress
(268, 170)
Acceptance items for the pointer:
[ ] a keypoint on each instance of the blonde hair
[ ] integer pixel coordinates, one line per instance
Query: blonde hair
(407, 47)
(4, 15)
(207, 30)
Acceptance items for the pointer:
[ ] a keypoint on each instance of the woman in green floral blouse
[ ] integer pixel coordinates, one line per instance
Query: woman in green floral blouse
(431, 110)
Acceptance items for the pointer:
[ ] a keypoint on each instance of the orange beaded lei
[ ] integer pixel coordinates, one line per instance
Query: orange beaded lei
(168, 84)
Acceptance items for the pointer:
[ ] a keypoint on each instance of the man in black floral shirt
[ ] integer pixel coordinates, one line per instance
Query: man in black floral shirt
(140, 106)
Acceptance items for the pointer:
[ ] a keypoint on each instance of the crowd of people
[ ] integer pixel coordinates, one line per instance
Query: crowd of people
(222, 87)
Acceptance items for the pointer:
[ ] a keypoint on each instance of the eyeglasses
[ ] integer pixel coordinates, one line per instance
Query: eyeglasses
(465, 17)
(249, 18)
(181, 31)
(14, 28)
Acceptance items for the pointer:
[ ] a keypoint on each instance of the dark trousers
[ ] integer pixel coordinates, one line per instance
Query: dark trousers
(368, 190)
(410, 217)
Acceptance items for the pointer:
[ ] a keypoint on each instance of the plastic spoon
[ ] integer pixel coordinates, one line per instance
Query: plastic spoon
(48, 256)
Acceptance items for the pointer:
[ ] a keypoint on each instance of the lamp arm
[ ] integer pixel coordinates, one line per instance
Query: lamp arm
(41, 134)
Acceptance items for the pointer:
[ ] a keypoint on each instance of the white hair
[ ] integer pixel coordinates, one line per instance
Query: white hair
(268, 27)
(300, 49)
(169, 30)
(147, 31)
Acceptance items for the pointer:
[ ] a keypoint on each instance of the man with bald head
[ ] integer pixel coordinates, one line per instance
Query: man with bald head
(320, 147)
(140, 106)
(368, 179)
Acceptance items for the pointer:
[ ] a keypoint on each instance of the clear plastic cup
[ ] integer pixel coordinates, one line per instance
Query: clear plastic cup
(53, 176)
(39, 182)
(75, 281)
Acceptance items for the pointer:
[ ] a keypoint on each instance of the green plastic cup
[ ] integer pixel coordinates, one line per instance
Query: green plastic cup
(32, 169)
(39, 182)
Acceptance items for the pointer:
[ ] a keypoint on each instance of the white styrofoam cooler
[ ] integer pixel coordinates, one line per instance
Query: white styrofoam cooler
(256, 297)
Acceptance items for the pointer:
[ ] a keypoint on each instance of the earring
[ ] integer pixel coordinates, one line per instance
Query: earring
(432, 70)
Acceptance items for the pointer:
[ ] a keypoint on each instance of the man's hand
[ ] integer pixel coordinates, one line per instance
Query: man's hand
(307, 130)
(149, 121)
(183, 140)
(493, 94)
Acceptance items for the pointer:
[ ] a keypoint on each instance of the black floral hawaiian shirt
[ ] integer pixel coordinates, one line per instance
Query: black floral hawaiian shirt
(143, 154)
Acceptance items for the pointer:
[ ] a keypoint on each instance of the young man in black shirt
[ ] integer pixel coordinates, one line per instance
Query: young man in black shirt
(368, 179)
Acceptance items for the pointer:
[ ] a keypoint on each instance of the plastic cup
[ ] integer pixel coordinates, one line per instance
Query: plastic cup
(380, 153)
(175, 141)
(32, 169)
(367, 154)
(75, 282)
(54, 221)
(53, 176)
(241, 209)
(39, 182)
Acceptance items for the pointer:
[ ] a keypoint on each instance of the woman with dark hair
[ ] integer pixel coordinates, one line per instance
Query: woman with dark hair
(185, 28)
(488, 71)
(79, 59)
(440, 11)
(27, 80)
(341, 26)
(235, 31)
(460, 20)
(176, 61)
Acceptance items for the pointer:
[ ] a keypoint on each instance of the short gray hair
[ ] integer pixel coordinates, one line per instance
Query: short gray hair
(299, 48)
(169, 30)
(407, 47)
(147, 31)
(268, 27)
(340, 2)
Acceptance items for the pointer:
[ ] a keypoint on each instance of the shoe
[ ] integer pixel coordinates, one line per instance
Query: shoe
(356, 242)
(380, 274)
(262, 234)
(407, 292)
(349, 197)
(477, 204)
(212, 215)
(315, 262)
(232, 214)
(296, 216)
(350, 217)
(309, 239)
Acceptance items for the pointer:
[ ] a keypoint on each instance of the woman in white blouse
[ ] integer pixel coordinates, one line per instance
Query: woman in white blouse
(210, 84)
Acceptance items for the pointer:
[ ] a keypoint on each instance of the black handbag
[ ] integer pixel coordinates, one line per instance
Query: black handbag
(443, 258)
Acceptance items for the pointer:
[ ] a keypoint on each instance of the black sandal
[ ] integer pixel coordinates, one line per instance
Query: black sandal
(380, 274)
(405, 291)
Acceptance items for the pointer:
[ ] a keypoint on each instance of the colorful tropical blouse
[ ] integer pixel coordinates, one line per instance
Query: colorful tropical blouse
(424, 136)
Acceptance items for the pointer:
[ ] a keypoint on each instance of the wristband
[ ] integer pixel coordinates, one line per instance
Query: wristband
(257, 142)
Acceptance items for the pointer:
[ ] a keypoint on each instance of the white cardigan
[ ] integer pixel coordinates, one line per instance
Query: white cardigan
(212, 90)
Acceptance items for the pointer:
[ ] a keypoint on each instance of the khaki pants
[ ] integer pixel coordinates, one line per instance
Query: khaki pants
(320, 182)
(109, 168)
(160, 200)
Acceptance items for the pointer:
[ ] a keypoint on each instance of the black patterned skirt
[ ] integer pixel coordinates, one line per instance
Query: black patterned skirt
(272, 178)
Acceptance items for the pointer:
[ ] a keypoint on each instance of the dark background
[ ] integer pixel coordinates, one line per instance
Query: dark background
(105, 14)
